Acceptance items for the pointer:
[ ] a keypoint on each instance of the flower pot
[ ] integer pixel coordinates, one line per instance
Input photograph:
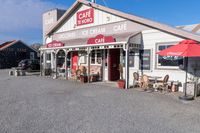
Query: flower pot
(121, 83)
(84, 78)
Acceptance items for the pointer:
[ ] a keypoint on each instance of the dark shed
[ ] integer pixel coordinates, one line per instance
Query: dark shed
(12, 52)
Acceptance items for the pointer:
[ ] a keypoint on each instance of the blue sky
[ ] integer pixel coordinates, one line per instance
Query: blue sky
(22, 19)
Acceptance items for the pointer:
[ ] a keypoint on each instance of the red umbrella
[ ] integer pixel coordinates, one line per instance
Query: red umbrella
(186, 48)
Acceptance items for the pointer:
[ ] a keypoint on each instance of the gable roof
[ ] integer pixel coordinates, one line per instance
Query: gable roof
(10, 43)
(6, 44)
(143, 21)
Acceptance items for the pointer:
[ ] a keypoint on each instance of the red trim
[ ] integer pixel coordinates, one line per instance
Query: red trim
(54, 44)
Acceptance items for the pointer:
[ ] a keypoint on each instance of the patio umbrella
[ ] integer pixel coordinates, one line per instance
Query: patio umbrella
(185, 48)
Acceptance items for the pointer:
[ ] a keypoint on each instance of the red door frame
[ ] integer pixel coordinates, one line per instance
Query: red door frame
(113, 64)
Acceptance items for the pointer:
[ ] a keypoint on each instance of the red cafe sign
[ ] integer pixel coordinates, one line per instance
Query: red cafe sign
(85, 17)
(101, 39)
(55, 44)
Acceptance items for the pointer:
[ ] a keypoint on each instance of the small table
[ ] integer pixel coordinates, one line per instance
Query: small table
(155, 78)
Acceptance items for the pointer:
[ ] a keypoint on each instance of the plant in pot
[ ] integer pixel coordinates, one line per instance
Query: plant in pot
(84, 77)
(121, 82)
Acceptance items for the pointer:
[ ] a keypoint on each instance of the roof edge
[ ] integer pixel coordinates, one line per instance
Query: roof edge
(140, 20)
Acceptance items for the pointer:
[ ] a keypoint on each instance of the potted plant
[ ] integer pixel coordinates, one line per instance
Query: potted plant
(121, 82)
(84, 78)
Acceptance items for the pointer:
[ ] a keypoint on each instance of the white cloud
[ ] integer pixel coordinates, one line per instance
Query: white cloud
(23, 15)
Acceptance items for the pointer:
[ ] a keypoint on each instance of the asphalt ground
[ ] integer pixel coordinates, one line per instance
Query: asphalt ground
(34, 104)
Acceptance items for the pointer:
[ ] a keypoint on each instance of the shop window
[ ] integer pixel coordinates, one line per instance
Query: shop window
(99, 56)
(68, 60)
(82, 57)
(48, 56)
(93, 57)
(96, 57)
(131, 58)
(32, 55)
(168, 61)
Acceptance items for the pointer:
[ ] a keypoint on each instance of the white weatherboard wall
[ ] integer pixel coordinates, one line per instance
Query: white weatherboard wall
(100, 18)
(48, 39)
(150, 39)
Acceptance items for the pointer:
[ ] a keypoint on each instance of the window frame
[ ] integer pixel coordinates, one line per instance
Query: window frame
(95, 57)
(157, 56)
(123, 58)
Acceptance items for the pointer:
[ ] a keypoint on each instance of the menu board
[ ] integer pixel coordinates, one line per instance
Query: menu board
(145, 59)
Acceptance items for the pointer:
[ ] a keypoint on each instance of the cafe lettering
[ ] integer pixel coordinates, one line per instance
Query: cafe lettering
(85, 17)
(100, 39)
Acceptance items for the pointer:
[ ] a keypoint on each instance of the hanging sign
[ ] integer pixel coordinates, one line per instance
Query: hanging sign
(101, 39)
(85, 17)
(54, 44)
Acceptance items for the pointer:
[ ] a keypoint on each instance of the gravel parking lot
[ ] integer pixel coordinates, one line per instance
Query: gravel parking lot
(34, 104)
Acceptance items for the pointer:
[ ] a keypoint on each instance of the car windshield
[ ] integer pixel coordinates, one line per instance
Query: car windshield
(23, 61)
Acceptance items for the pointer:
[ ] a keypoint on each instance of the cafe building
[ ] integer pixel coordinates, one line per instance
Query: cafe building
(101, 40)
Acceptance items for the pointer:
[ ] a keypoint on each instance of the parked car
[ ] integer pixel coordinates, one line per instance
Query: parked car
(29, 65)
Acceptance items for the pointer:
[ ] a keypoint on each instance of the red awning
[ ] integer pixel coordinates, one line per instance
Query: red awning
(186, 48)
(55, 44)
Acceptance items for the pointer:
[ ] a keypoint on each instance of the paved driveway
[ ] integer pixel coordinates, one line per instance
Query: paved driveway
(33, 104)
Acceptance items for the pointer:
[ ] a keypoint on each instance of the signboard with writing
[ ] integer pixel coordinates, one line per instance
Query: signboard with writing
(108, 29)
(101, 39)
(145, 59)
(55, 44)
(85, 17)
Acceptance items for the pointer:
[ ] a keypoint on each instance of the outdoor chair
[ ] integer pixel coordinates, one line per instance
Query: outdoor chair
(73, 74)
(146, 84)
(78, 74)
(163, 85)
(136, 80)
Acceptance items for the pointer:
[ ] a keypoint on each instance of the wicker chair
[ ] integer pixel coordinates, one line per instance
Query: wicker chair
(146, 84)
(136, 81)
(78, 74)
(163, 85)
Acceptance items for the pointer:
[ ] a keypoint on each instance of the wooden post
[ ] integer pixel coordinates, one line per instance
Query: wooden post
(127, 66)
(41, 56)
(66, 67)
(56, 65)
(88, 63)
